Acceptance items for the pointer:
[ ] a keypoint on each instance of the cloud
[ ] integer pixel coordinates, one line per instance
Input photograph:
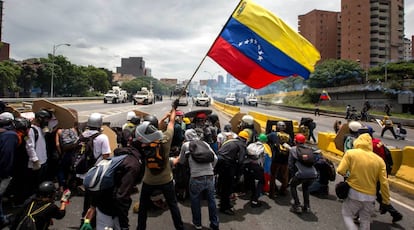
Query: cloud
(171, 36)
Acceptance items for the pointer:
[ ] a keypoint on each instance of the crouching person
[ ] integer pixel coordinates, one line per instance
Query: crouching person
(38, 211)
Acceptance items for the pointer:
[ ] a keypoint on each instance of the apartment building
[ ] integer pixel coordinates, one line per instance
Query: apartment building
(372, 31)
(322, 29)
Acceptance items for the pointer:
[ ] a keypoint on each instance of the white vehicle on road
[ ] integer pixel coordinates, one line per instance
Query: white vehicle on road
(202, 99)
(144, 96)
(231, 99)
(116, 95)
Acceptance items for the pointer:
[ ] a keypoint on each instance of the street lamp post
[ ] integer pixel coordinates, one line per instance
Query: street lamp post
(211, 78)
(53, 65)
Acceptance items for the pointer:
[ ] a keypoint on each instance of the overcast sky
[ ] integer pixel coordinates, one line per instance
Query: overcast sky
(171, 36)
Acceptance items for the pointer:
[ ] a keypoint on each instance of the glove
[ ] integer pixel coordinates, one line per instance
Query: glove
(65, 196)
(36, 165)
(86, 225)
(175, 104)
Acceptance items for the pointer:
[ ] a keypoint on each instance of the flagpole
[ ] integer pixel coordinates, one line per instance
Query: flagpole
(202, 60)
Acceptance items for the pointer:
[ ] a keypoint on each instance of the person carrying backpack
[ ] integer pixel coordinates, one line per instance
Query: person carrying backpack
(37, 152)
(111, 198)
(38, 211)
(155, 146)
(8, 145)
(201, 160)
(301, 160)
(101, 149)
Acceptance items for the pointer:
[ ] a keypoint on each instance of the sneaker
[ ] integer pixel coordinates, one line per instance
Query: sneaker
(396, 217)
(296, 209)
(214, 227)
(197, 226)
(256, 204)
(229, 212)
(306, 209)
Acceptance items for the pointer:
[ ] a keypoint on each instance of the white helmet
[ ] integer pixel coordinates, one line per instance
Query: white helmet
(247, 119)
(147, 133)
(95, 120)
(281, 125)
(130, 115)
(354, 126)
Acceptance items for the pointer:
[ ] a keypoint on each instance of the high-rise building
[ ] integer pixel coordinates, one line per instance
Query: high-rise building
(132, 65)
(321, 28)
(408, 49)
(4, 47)
(372, 31)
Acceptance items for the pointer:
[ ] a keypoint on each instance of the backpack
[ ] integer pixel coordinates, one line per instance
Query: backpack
(331, 171)
(200, 151)
(255, 150)
(305, 155)
(154, 159)
(84, 157)
(68, 139)
(28, 222)
(101, 176)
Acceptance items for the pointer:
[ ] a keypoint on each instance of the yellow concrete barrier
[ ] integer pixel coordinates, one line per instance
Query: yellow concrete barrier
(406, 170)
(397, 159)
(227, 109)
(326, 143)
(262, 119)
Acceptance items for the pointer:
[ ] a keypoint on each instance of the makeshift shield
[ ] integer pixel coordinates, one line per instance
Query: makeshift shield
(235, 122)
(340, 137)
(66, 119)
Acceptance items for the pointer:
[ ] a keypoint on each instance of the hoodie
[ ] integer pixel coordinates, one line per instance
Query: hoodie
(365, 169)
(196, 169)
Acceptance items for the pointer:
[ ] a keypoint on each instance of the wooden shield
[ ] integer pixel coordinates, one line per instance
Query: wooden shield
(66, 119)
(12, 111)
(194, 113)
(140, 113)
(235, 123)
(340, 137)
(111, 136)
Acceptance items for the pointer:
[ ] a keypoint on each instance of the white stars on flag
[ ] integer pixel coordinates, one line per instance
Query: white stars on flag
(253, 42)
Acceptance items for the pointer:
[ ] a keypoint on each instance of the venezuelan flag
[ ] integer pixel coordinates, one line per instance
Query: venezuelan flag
(258, 48)
(324, 96)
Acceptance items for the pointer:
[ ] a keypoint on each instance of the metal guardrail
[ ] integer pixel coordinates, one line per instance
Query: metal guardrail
(31, 99)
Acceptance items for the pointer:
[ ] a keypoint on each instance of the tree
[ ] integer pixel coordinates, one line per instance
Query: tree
(9, 72)
(334, 73)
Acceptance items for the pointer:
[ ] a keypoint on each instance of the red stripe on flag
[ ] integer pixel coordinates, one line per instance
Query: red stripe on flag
(240, 66)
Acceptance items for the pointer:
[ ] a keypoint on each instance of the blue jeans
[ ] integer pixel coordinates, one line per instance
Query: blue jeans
(145, 202)
(197, 186)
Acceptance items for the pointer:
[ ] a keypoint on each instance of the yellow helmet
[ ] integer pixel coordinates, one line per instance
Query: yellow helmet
(187, 120)
(386, 117)
(244, 134)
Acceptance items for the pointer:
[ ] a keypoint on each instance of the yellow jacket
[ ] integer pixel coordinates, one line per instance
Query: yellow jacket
(366, 168)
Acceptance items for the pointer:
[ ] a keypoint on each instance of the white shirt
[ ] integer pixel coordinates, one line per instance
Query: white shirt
(36, 150)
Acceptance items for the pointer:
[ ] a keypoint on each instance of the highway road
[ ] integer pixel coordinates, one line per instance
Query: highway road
(274, 214)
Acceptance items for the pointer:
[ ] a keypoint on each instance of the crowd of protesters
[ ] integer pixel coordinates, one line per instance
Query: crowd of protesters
(245, 161)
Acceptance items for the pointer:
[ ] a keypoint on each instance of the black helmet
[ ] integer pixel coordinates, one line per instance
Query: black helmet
(227, 128)
(42, 114)
(213, 118)
(152, 119)
(21, 123)
(47, 189)
(136, 120)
